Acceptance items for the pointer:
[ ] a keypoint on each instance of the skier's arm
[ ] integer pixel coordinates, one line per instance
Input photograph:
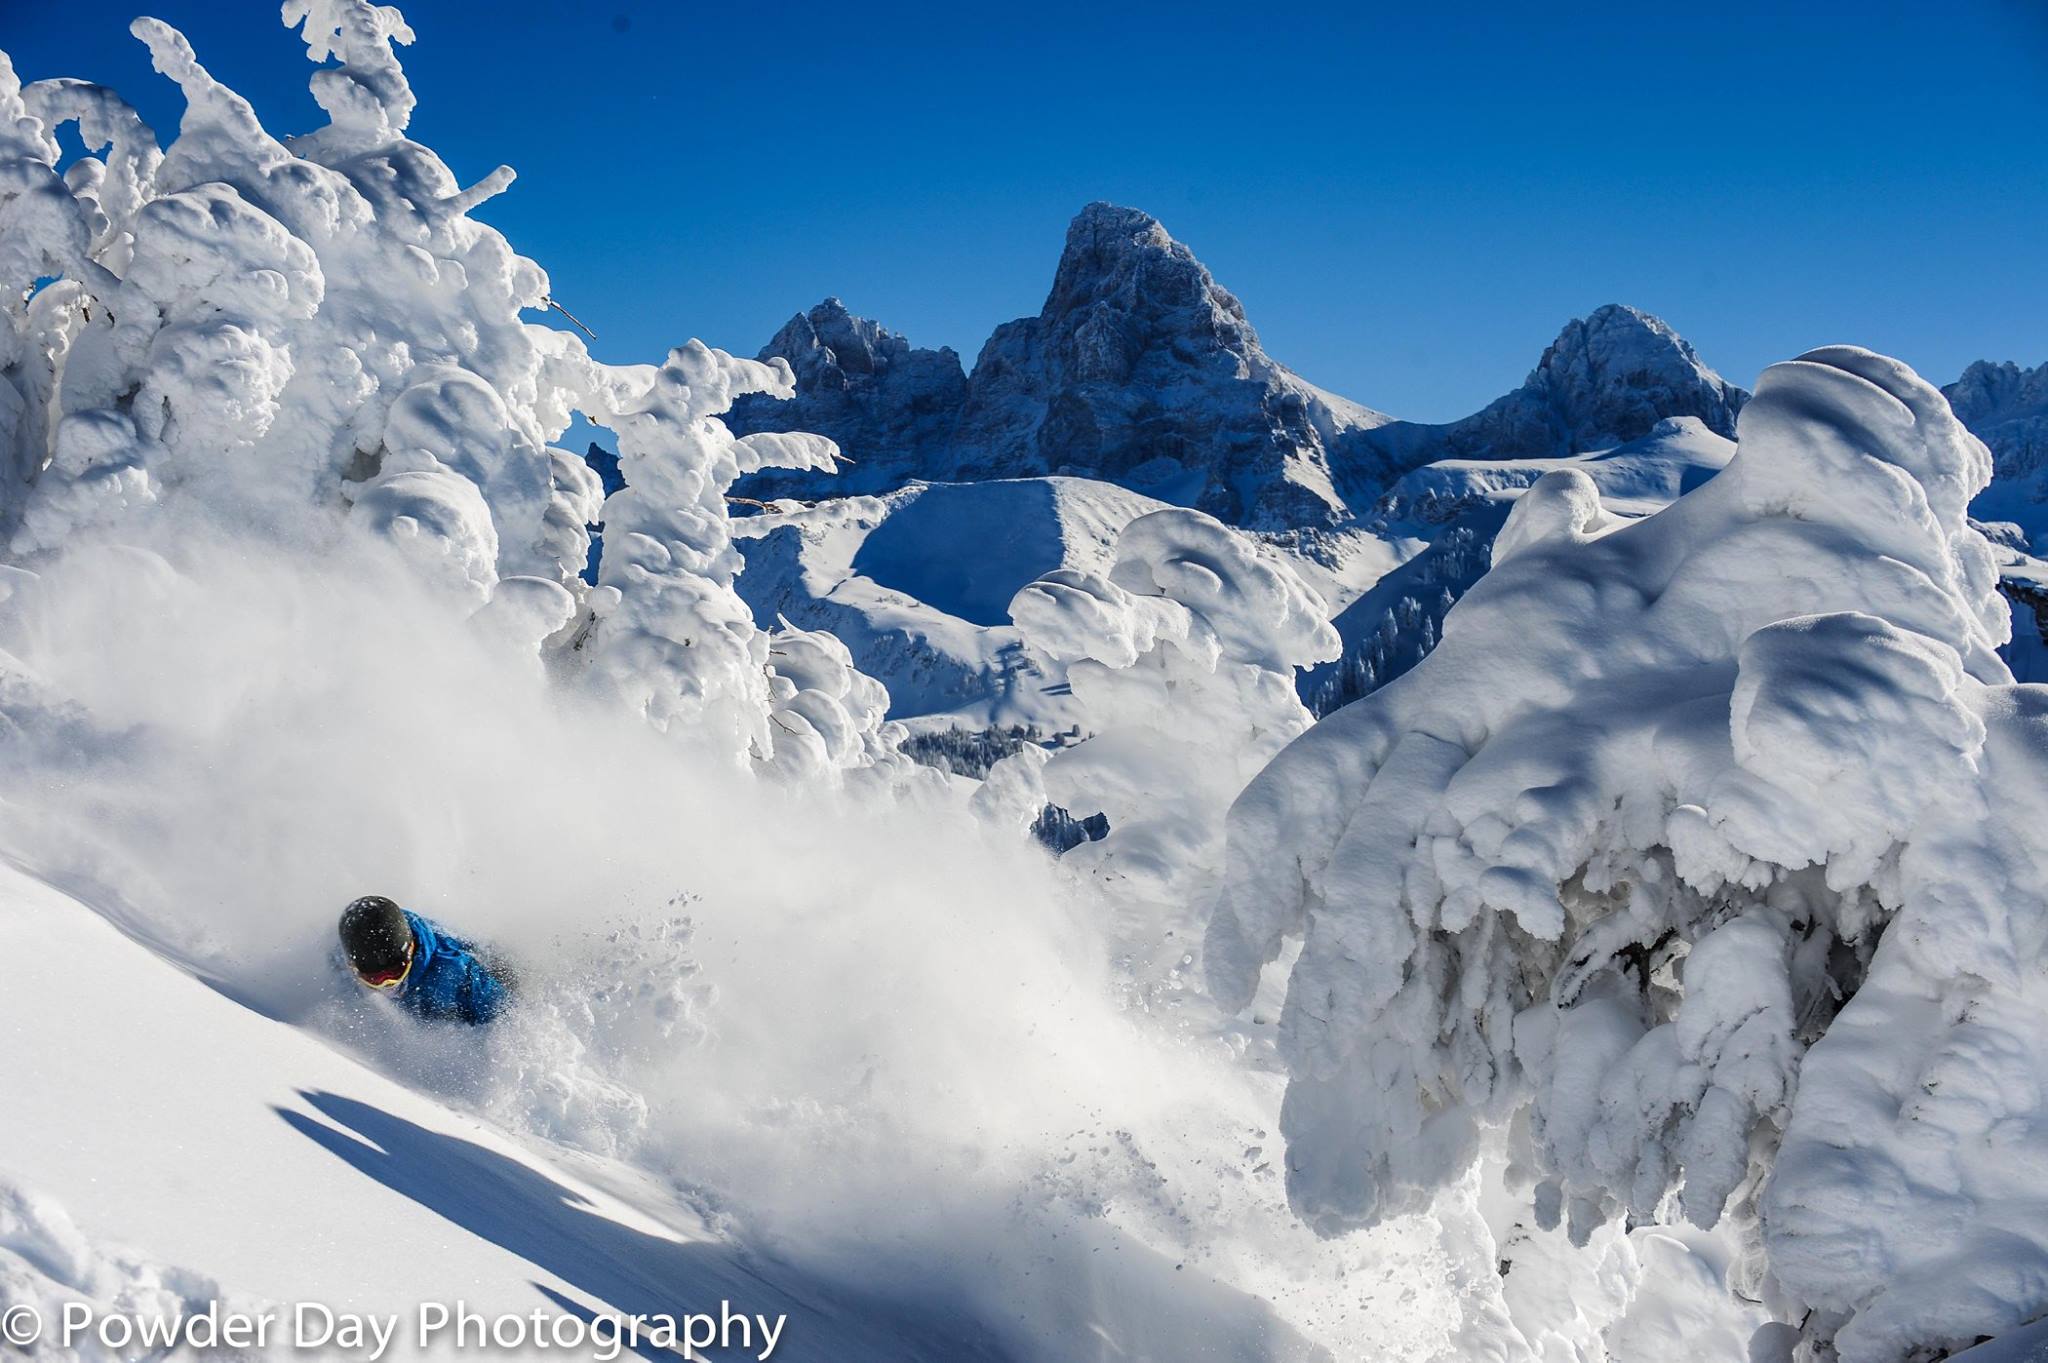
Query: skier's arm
(484, 994)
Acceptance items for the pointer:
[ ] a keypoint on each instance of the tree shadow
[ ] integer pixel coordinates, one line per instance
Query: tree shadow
(559, 1231)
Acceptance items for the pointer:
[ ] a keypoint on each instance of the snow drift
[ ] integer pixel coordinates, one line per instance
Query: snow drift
(1702, 851)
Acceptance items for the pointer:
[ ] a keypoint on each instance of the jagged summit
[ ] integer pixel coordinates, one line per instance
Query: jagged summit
(829, 343)
(2007, 407)
(1119, 266)
(1993, 393)
(890, 405)
(1610, 377)
(1140, 370)
(1143, 370)
(1607, 379)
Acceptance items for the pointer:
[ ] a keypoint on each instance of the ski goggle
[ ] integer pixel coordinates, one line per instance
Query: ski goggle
(388, 979)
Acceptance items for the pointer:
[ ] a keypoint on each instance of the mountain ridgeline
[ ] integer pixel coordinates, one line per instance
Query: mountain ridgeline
(1142, 370)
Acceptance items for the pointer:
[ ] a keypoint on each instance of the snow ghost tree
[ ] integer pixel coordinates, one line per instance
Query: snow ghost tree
(1705, 851)
(163, 308)
(1183, 661)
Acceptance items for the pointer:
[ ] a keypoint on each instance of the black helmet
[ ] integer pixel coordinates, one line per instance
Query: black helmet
(376, 936)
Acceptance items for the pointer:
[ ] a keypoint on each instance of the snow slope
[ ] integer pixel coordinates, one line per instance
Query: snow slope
(205, 1134)
(867, 1039)
(1635, 478)
(918, 584)
(220, 1140)
(2024, 580)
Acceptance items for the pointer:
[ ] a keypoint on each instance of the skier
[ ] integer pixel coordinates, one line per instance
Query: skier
(431, 973)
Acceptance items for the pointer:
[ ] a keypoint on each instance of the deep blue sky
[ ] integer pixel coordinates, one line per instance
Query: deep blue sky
(1410, 200)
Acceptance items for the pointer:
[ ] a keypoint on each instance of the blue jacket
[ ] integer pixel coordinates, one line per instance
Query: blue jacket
(448, 980)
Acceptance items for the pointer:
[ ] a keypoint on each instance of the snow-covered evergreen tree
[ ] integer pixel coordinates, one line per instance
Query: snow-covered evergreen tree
(310, 338)
(1704, 849)
(1183, 659)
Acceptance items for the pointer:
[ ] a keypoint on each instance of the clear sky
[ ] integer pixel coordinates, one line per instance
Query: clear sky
(1410, 200)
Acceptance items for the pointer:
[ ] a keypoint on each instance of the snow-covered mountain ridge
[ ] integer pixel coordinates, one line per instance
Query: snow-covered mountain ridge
(1606, 380)
(1143, 371)
(1140, 370)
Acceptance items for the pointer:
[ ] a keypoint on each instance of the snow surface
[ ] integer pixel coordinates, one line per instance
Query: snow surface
(1456, 507)
(918, 585)
(1635, 478)
(2028, 1344)
(296, 1174)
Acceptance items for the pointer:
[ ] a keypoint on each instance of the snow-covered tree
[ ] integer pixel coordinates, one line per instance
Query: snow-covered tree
(1183, 661)
(1705, 850)
(310, 338)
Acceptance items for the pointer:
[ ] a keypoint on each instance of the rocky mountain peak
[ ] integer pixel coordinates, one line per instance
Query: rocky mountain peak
(889, 404)
(1122, 264)
(830, 346)
(2006, 407)
(1140, 369)
(1613, 374)
(1607, 379)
